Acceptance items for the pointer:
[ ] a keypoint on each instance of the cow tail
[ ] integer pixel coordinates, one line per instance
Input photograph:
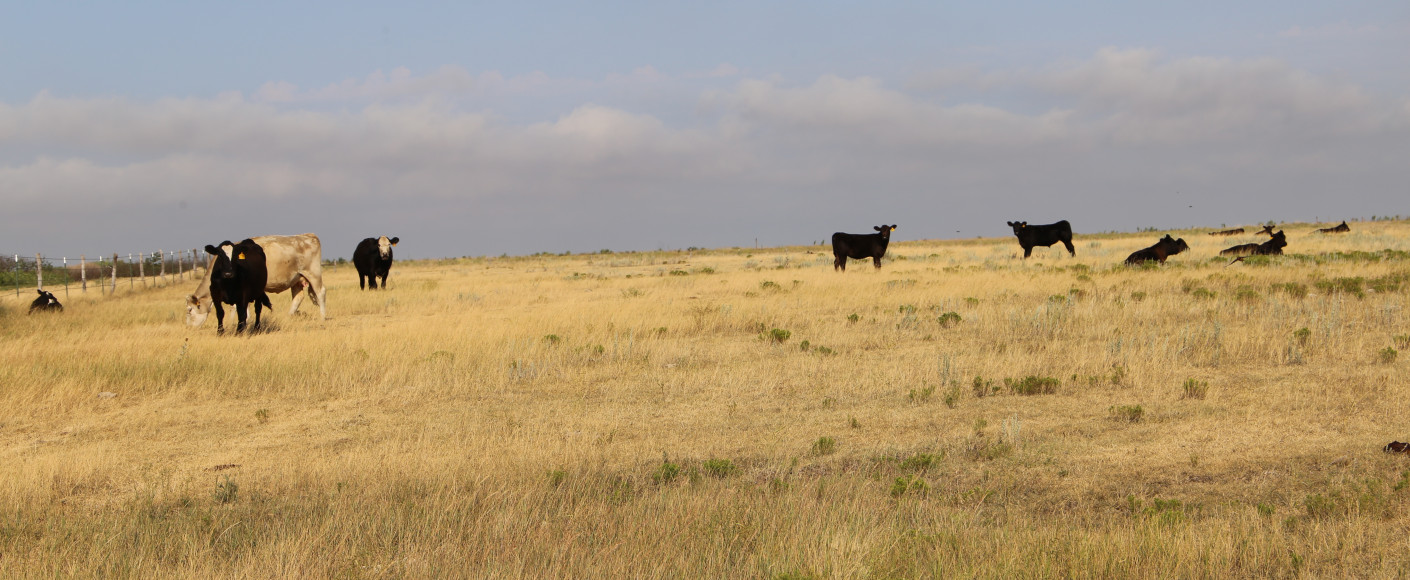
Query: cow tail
(264, 299)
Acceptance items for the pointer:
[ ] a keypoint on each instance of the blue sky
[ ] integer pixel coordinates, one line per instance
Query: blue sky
(484, 128)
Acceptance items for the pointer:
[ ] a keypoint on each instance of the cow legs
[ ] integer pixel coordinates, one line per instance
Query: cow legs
(219, 317)
(362, 281)
(839, 263)
(876, 261)
(318, 294)
(372, 281)
(242, 314)
(296, 291)
(1027, 251)
(1070, 249)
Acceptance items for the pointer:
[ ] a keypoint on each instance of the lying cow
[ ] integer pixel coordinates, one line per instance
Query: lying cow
(1266, 231)
(46, 302)
(1271, 247)
(860, 247)
(373, 258)
(1162, 249)
(1044, 235)
(293, 263)
(1341, 229)
(238, 275)
(1233, 232)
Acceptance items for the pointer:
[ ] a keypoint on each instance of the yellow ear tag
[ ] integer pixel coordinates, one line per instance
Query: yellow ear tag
(241, 256)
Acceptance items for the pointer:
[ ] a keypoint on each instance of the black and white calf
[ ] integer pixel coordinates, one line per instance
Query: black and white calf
(238, 277)
(373, 259)
(46, 302)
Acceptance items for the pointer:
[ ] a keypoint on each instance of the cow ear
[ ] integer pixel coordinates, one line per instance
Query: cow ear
(191, 299)
(395, 240)
(212, 250)
(41, 292)
(877, 228)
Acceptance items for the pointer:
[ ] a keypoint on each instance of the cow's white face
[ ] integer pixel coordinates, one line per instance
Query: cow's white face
(197, 310)
(384, 247)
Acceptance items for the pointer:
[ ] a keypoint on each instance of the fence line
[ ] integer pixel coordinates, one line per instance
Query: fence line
(169, 267)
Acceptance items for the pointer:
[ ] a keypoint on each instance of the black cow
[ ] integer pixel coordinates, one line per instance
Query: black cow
(238, 277)
(1271, 247)
(1341, 229)
(373, 258)
(46, 302)
(1233, 232)
(1266, 231)
(860, 247)
(1162, 249)
(1045, 235)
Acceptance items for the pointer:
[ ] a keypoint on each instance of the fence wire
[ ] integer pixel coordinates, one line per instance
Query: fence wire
(106, 275)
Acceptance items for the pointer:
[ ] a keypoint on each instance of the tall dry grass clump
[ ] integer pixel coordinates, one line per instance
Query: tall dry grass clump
(733, 413)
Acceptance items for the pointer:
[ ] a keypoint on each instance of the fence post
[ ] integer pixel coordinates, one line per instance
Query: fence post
(39, 271)
(66, 277)
(83, 272)
(15, 270)
(142, 272)
(115, 260)
(162, 253)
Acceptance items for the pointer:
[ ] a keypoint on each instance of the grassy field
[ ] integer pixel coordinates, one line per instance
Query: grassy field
(734, 413)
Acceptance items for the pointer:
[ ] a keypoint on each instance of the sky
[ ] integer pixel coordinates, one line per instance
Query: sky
(486, 128)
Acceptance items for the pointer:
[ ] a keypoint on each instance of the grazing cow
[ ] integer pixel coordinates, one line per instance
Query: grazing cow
(293, 263)
(860, 247)
(1044, 235)
(373, 258)
(1271, 247)
(1341, 229)
(1266, 231)
(1233, 232)
(1162, 249)
(46, 302)
(238, 276)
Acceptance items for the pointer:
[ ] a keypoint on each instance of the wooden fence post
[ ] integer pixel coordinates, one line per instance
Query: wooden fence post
(130, 277)
(162, 253)
(141, 271)
(83, 272)
(66, 277)
(39, 271)
(15, 272)
(114, 289)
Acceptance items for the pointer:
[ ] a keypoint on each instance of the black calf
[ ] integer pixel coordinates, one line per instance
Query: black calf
(46, 302)
(860, 247)
(373, 258)
(1044, 235)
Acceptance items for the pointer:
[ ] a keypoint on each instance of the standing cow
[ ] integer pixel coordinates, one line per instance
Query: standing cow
(238, 276)
(46, 302)
(860, 247)
(293, 263)
(1044, 235)
(373, 258)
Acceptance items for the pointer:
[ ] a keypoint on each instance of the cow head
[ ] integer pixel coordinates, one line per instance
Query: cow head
(45, 301)
(225, 257)
(885, 231)
(384, 247)
(1176, 246)
(1279, 240)
(1018, 227)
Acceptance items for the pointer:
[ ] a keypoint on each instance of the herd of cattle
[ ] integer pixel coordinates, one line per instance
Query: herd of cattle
(862, 246)
(239, 274)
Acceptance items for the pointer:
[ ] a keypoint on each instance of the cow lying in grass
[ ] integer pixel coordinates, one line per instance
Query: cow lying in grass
(860, 247)
(1162, 249)
(1341, 229)
(238, 277)
(1271, 247)
(1233, 232)
(46, 302)
(1044, 235)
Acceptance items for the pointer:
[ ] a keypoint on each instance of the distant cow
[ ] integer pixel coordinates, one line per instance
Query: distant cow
(1266, 231)
(1233, 232)
(1045, 235)
(46, 302)
(1162, 249)
(373, 258)
(238, 276)
(860, 247)
(1271, 247)
(1341, 229)
(293, 263)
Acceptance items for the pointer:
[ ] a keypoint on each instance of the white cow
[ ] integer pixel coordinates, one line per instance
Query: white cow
(295, 263)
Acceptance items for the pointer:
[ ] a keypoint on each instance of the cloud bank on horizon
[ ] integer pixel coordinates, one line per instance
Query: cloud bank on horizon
(461, 162)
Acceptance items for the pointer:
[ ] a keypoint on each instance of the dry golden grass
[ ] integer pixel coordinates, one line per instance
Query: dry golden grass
(632, 415)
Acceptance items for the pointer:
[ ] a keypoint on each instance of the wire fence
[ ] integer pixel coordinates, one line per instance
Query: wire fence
(106, 275)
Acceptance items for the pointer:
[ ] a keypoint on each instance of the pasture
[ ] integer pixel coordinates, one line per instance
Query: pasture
(734, 413)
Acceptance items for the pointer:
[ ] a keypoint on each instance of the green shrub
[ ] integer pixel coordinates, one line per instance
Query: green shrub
(1402, 341)
(1302, 334)
(906, 309)
(1033, 385)
(552, 338)
(679, 273)
(770, 285)
(556, 477)
(949, 319)
(952, 396)
(921, 461)
(1203, 293)
(666, 473)
(804, 346)
(1292, 289)
(778, 335)
(720, 468)
(262, 415)
(909, 484)
(705, 270)
(824, 446)
(1387, 355)
(1195, 389)
(1126, 413)
(983, 388)
(853, 318)
(921, 395)
(1138, 296)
